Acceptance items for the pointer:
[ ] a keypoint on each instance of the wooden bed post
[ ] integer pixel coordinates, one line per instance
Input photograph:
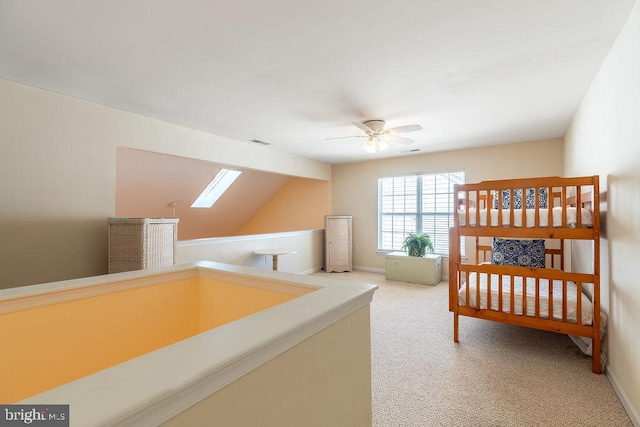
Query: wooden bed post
(454, 261)
(596, 339)
(455, 327)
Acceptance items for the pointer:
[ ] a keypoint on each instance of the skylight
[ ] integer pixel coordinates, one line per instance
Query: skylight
(216, 188)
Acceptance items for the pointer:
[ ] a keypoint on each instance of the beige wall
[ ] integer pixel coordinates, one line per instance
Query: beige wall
(323, 381)
(57, 168)
(604, 139)
(355, 186)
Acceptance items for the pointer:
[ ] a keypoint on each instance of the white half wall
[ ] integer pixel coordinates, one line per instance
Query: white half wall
(238, 250)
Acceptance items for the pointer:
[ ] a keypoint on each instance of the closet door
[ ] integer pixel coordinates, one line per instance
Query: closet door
(337, 243)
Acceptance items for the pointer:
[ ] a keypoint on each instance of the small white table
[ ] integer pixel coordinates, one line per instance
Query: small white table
(274, 253)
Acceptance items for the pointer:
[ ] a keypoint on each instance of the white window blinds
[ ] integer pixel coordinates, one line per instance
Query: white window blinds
(417, 203)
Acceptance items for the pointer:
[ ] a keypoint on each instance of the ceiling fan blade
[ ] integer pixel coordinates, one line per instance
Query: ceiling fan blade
(362, 127)
(398, 139)
(343, 137)
(403, 129)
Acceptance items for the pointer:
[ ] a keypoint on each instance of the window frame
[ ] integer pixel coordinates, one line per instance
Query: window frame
(416, 211)
(218, 185)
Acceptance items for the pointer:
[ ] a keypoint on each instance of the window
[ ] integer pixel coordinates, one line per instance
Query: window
(417, 203)
(216, 188)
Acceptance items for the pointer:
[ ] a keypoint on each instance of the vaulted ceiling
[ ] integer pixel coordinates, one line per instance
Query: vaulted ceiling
(295, 73)
(159, 185)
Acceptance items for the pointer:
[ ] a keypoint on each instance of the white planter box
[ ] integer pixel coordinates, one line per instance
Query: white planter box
(425, 270)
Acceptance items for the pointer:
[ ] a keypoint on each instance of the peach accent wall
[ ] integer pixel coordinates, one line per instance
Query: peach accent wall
(300, 205)
(76, 335)
(222, 303)
(84, 336)
(147, 182)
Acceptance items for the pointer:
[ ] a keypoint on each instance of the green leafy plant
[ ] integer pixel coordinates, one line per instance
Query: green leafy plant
(417, 244)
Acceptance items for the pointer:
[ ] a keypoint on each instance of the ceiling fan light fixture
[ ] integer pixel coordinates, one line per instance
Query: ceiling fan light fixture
(378, 138)
(375, 145)
(370, 146)
(376, 126)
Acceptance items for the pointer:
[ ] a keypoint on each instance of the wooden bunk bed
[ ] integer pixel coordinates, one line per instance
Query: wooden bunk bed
(525, 280)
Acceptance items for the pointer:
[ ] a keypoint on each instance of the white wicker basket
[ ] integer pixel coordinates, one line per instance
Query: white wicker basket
(140, 243)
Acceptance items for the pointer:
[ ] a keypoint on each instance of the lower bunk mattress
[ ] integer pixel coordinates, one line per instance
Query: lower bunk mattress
(530, 286)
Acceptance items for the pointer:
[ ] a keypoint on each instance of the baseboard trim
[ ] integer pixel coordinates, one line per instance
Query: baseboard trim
(311, 271)
(369, 269)
(624, 399)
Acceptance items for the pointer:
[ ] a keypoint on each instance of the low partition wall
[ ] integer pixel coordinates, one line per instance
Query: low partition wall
(238, 250)
(196, 344)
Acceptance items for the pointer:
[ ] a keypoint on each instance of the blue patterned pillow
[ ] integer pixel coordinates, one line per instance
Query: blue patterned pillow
(525, 253)
(517, 198)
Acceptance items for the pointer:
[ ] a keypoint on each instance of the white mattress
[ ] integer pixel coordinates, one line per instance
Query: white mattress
(586, 214)
(587, 307)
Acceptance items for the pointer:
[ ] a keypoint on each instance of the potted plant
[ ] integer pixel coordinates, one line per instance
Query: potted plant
(417, 244)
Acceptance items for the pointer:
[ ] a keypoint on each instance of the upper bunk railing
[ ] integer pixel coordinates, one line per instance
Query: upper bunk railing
(550, 207)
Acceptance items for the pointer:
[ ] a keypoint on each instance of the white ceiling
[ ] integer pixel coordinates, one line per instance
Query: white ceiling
(296, 72)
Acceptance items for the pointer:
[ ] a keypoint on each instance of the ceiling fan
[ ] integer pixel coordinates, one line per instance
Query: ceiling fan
(378, 137)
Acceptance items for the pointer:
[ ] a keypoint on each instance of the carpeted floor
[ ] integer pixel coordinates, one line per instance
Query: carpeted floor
(498, 375)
